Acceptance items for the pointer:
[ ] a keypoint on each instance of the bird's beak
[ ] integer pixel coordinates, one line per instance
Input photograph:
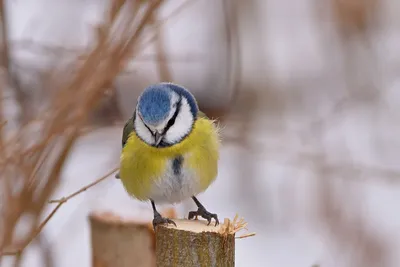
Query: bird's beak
(157, 138)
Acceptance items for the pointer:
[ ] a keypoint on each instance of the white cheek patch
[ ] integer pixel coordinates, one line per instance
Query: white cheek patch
(182, 126)
(142, 131)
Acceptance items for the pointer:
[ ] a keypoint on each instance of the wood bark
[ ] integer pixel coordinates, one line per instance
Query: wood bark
(194, 243)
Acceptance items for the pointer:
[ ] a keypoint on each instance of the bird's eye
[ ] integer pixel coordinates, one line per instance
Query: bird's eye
(148, 128)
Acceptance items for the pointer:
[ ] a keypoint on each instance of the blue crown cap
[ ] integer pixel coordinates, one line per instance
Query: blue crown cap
(184, 92)
(154, 104)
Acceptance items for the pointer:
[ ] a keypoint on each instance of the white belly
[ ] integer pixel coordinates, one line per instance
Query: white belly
(173, 187)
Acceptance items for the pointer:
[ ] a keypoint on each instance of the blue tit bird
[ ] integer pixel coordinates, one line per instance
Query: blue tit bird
(170, 150)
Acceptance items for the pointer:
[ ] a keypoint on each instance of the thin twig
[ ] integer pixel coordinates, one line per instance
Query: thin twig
(245, 235)
(35, 233)
(83, 189)
(59, 202)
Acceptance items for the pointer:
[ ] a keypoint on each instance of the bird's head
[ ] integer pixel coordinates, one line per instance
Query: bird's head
(165, 114)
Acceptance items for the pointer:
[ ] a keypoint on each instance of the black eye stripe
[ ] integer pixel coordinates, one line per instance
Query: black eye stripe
(152, 133)
(173, 118)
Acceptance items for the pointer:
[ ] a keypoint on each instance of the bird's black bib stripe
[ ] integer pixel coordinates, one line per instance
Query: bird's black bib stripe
(177, 165)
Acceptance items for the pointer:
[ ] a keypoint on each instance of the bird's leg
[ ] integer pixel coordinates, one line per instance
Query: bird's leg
(201, 211)
(158, 219)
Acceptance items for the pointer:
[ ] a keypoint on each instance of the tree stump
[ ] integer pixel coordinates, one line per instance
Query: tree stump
(121, 243)
(194, 243)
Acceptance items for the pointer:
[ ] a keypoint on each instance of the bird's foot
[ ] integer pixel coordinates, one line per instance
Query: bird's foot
(158, 219)
(201, 211)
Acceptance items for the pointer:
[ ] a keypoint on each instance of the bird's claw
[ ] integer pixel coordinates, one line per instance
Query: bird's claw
(205, 214)
(158, 219)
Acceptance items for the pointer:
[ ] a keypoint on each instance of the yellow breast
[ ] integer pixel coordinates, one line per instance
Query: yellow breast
(142, 165)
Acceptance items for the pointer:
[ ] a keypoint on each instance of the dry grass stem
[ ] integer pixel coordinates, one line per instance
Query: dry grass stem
(160, 22)
(6, 63)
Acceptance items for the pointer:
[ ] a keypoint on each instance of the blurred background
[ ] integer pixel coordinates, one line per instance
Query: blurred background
(306, 92)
